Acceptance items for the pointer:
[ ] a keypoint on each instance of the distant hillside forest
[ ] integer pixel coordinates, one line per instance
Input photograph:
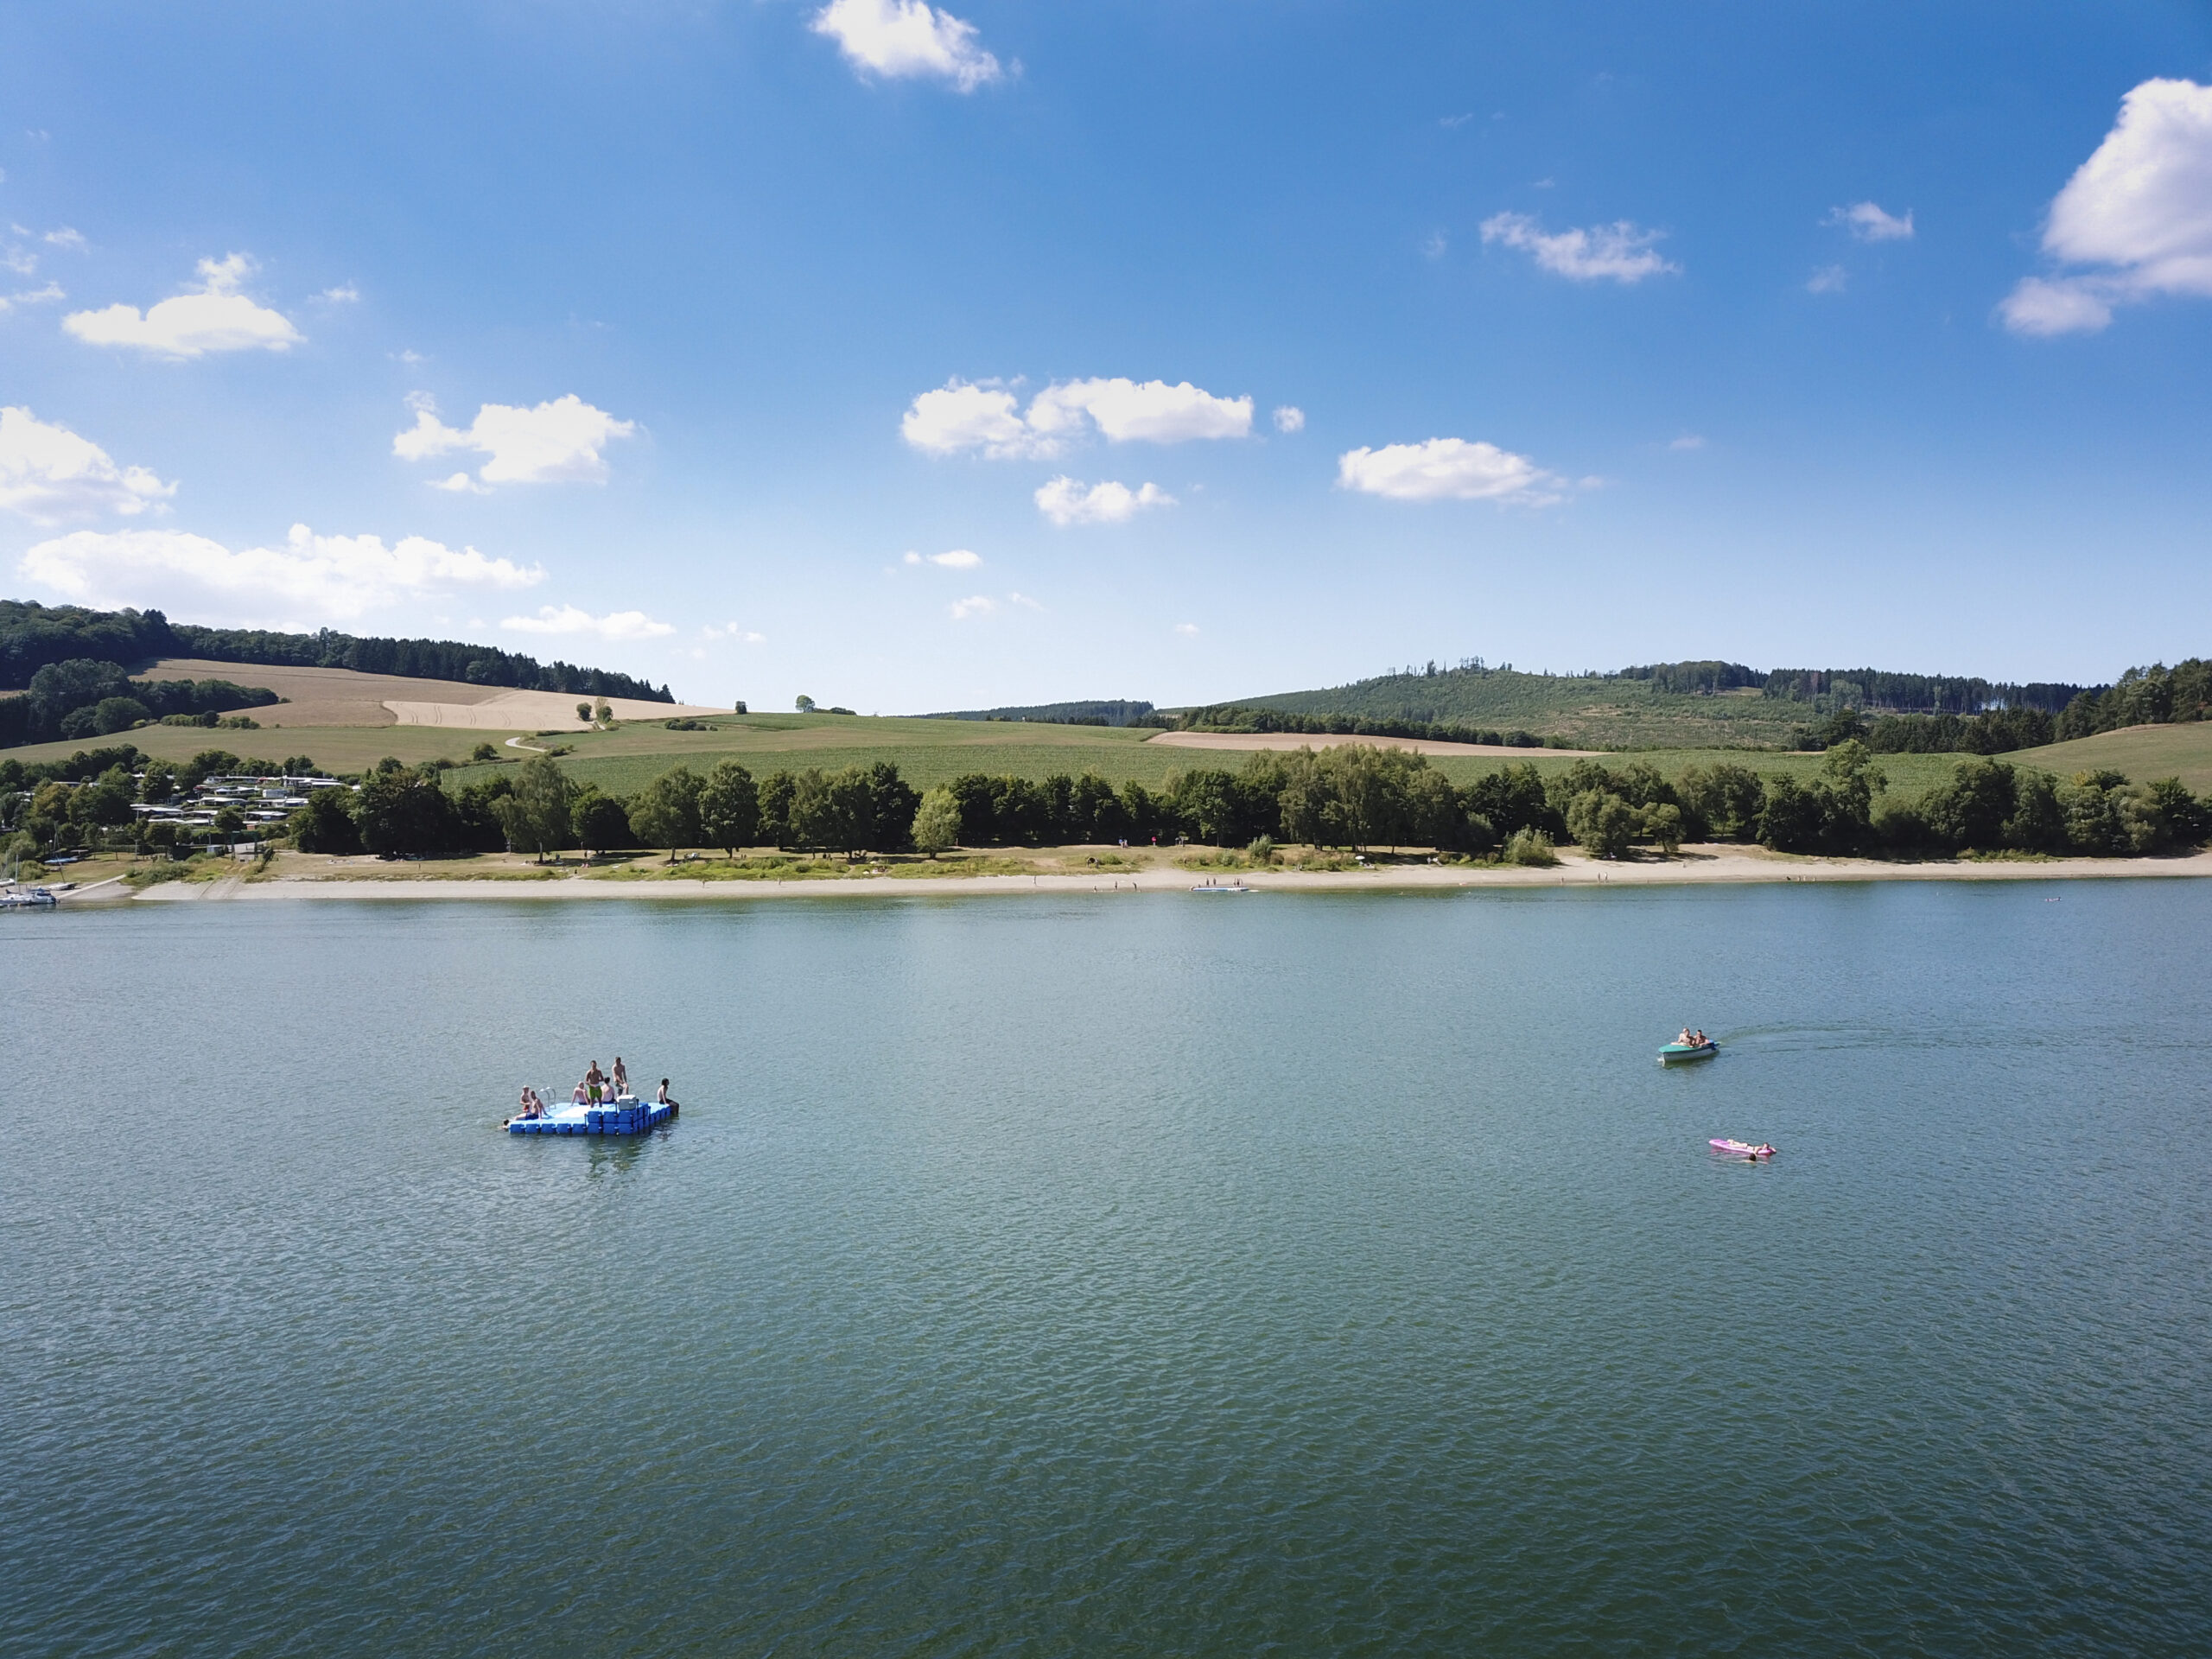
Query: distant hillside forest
(1096, 712)
(33, 635)
(1717, 704)
(73, 667)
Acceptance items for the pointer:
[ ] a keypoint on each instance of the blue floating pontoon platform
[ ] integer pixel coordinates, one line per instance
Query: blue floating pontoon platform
(617, 1117)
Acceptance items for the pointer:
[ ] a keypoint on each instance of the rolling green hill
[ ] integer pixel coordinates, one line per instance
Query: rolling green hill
(1593, 712)
(2182, 751)
(1664, 705)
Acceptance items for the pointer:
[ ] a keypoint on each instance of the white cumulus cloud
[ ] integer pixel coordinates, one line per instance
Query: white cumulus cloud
(1290, 418)
(986, 417)
(49, 474)
(961, 415)
(901, 39)
(555, 441)
(1066, 501)
(1869, 223)
(1446, 470)
(958, 558)
(2135, 220)
(568, 618)
(974, 604)
(308, 581)
(1619, 252)
(213, 317)
(1153, 412)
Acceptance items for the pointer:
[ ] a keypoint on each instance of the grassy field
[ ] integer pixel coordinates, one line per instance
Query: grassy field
(926, 751)
(2142, 752)
(334, 748)
(929, 752)
(1593, 713)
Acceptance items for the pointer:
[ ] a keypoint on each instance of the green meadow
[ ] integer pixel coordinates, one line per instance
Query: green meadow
(931, 752)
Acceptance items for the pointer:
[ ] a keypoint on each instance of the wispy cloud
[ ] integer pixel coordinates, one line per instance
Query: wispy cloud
(1290, 418)
(1619, 252)
(974, 604)
(46, 295)
(568, 618)
(958, 558)
(1868, 222)
(1828, 279)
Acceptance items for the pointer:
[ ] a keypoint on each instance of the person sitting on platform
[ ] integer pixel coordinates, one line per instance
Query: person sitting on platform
(662, 1099)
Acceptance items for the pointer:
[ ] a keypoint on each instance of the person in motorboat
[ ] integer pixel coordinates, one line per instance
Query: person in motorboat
(1683, 1041)
(621, 1079)
(1698, 1041)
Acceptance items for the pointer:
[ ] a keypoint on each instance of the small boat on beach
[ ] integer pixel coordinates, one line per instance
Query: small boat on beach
(1223, 886)
(1741, 1149)
(628, 1115)
(1675, 1051)
(27, 899)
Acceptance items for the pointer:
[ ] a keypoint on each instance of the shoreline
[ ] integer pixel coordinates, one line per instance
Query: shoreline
(1731, 867)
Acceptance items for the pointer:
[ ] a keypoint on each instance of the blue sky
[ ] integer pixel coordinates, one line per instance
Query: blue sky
(691, 339)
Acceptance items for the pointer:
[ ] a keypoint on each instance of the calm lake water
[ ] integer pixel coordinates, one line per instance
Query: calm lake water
(1149, 1274)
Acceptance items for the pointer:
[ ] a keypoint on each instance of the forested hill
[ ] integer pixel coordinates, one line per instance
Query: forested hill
(1663, 704)
(33, 636)
(1102, 711)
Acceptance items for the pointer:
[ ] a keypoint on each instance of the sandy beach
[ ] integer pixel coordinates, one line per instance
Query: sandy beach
(1694, 866)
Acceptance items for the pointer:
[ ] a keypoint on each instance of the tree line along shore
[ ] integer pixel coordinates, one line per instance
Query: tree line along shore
(1343, 798)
